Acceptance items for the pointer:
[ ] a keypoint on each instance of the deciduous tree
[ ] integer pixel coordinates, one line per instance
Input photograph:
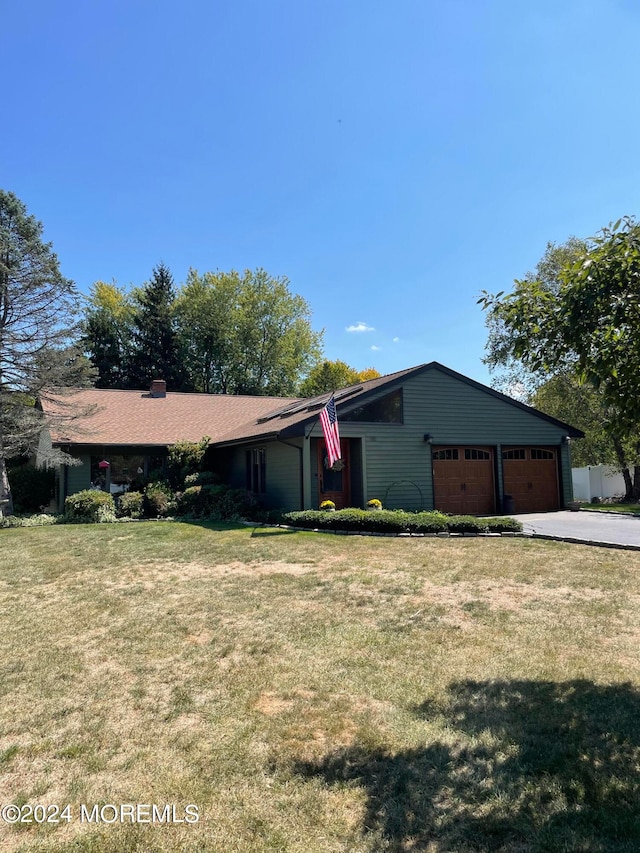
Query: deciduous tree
(587, 324)
(331, 375)
(107, 334)
(245, 334)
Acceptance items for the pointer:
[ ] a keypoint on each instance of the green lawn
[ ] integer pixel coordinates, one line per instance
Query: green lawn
(630, 508)
(312, 692)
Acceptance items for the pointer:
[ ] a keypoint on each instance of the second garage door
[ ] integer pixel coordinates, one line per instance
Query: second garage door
(530, 476)
(463, 481)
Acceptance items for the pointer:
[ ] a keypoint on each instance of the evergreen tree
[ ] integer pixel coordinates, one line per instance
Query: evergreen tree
(38, 322)
(156, 353)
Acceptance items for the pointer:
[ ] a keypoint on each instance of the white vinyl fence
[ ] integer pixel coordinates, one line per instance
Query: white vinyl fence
(596, 481)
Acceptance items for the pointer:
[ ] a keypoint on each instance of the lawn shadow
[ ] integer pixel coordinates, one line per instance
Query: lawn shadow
(525, 766)
(257, 528)
(268, 531)
(210, 523)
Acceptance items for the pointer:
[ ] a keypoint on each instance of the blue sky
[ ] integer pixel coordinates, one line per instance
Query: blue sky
(392, 159)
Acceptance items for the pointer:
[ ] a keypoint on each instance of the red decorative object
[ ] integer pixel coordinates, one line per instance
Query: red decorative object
(104, 464)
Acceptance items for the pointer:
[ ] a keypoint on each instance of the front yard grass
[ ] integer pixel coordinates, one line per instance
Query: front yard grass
(311, 692)
(626, 508)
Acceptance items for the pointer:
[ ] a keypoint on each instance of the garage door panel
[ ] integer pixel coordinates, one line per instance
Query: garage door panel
(530, 476)
(463, 480)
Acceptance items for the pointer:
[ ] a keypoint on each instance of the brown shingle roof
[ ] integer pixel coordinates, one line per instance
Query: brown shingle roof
(294, 413)
(135, 417)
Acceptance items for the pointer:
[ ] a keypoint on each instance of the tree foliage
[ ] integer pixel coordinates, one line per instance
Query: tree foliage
(245, 333)
(331, 375)
(580, 405)
(38, 322)
(204, 311)
(155, 352)
(107, 334)
(513, 373)
(586, 324)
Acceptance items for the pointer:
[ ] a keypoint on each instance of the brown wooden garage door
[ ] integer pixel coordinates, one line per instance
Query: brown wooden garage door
(463, 480)
(530, 476)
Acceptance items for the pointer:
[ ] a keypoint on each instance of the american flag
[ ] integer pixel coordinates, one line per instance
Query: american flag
(329, 422)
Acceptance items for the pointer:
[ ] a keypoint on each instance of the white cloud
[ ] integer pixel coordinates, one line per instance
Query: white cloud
(396, 340)
(360, 327)
(375, 348)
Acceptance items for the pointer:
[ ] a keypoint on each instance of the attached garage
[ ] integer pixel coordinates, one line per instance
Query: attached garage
(463, 480)
(530, 476)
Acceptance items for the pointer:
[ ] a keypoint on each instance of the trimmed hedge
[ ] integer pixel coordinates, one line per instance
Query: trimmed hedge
(503, 525)
(398, 521)
(90, 506)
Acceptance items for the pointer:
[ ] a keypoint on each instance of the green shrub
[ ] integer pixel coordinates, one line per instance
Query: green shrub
(130, 505)
(216, 502)
(349, 519)
(503, 525)
(201, 478)
(398, 521)
(466, 524)
(235, 504)
(427, 522)
(307, 518)
(90, 506)
(263, 515)
(31, 488)
(38, 520)
(184, 458)
(158, 500)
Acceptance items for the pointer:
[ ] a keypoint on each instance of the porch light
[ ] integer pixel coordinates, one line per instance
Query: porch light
(428, 438)
(566, 439)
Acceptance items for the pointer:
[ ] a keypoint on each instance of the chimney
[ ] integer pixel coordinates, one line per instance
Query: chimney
(158, 388)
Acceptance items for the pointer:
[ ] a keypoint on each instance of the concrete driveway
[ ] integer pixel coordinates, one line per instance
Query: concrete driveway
(605, 528)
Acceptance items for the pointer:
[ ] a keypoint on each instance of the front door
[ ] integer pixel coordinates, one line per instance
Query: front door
(333, 485)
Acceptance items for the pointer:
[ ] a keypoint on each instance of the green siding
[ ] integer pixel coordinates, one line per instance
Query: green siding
(282, 472)
(396, 461)
(79, 476)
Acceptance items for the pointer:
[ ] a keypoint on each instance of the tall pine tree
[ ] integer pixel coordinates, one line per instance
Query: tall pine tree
(156, 351)
(38, 323)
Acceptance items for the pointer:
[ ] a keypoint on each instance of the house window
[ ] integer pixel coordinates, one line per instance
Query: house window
(537, 453)
(386, 410)
(123, 472)
(516, 453)
(449, 454)
(473, 453)
(256, 470)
